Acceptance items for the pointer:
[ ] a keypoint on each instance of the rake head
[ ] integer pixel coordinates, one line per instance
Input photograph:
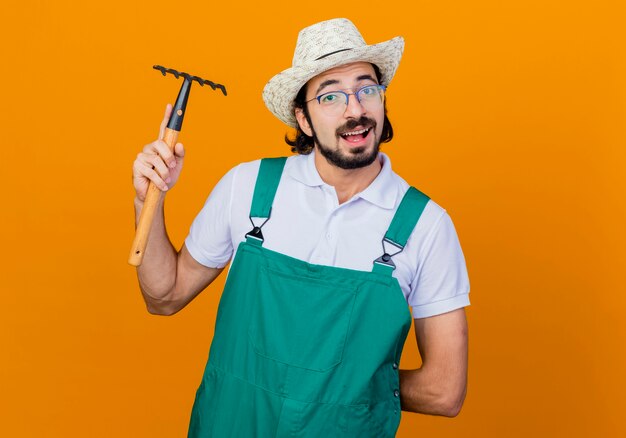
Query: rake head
(178, 112)
(164, 71)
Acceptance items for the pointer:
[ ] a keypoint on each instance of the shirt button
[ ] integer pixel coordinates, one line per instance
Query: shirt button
(396, 393)
(395, 366)
(329, 236)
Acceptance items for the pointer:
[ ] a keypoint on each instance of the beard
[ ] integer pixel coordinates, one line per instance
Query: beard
(355, 158)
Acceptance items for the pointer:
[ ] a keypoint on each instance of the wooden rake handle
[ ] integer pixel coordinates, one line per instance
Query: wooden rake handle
(149, 208)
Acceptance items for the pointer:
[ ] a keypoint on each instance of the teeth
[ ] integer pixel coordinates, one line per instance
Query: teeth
(362, 131)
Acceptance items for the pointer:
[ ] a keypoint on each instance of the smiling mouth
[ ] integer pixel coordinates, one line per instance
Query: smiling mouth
(355, 136)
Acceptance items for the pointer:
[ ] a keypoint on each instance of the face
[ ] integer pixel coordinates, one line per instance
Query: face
(349, 137)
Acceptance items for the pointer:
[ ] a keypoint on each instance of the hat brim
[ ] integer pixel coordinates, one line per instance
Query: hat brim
(279, 93)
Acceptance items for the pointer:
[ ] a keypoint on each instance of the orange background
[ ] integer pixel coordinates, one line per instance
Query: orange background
(510, 114)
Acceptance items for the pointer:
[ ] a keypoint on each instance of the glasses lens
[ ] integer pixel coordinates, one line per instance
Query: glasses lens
(332, 99)
(371, 94)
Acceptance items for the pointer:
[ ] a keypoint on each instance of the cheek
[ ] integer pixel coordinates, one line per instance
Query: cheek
(324, 125)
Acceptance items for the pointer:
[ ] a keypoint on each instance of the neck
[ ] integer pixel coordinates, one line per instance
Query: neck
(347, 182)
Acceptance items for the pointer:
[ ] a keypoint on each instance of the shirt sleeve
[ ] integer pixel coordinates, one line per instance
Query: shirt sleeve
(441, 283)
(209, 240)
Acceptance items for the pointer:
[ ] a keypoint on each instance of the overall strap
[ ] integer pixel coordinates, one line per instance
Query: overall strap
(267, 181)
(402, 225)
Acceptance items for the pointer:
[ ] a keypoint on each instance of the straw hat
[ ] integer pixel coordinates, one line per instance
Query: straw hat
(321, 47)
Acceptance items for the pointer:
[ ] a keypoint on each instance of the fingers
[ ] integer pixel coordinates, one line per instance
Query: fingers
(154, 164)
(160, 148)
(166, 119)
(145, 170)
(158, 164)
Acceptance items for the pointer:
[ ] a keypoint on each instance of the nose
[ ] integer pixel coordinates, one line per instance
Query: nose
(354, 108)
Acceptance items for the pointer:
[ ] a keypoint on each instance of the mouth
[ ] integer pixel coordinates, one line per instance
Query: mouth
(355, 137)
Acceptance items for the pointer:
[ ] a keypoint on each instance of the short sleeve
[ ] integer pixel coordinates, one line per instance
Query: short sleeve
(209, 240)
(441, 283)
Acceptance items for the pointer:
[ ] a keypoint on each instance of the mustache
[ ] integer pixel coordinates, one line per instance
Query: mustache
(363, 121)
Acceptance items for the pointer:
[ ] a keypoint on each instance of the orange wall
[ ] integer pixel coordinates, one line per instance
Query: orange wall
(510, 114)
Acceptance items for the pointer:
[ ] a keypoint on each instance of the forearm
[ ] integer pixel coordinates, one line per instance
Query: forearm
(430, 392)
(157, 272)
(439, 386)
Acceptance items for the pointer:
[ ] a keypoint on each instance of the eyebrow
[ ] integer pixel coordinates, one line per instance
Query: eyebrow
(335, 81)
(326, 84)
(365, 77)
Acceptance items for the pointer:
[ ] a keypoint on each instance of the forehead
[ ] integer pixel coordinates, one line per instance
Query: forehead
(344, 76)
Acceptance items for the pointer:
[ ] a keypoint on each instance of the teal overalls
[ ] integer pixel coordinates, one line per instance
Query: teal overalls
(304, 350)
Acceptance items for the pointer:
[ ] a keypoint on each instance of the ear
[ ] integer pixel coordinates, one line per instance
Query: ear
(303, 122)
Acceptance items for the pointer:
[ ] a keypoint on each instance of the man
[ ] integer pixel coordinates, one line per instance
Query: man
(314, 315)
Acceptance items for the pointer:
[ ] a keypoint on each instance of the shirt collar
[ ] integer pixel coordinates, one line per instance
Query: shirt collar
(380, 192)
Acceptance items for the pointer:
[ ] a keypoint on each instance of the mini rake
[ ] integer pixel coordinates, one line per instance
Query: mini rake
(170, 138)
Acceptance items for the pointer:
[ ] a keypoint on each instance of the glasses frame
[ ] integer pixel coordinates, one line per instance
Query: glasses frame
(355, 94)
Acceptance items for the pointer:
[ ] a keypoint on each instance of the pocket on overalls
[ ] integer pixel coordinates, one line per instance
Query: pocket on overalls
(300, 321)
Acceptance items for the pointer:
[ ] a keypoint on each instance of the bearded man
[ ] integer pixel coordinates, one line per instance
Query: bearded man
(329, 248)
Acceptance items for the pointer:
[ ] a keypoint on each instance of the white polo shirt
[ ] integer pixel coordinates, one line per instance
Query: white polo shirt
(308, 223)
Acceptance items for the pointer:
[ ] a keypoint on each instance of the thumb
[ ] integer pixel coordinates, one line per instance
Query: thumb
(179, 151)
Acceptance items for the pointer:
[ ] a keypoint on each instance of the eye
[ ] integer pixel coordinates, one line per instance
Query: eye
(369, 90)
(329, 98)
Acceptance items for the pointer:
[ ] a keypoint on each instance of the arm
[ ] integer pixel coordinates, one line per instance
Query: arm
(168, 279)
(439, 386)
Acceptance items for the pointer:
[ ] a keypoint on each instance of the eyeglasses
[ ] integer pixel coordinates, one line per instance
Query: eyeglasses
(334, 102)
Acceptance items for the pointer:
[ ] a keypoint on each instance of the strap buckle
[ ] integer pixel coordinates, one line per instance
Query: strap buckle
(385, 259)
(256, 232)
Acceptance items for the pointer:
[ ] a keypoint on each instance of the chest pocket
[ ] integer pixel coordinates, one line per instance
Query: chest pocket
(300, 321)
